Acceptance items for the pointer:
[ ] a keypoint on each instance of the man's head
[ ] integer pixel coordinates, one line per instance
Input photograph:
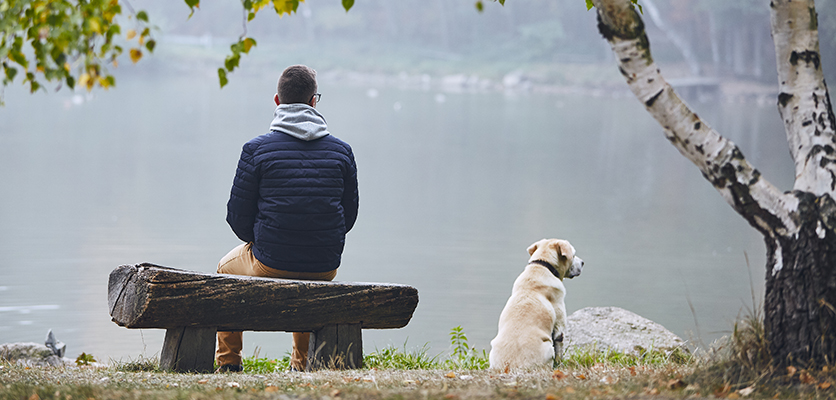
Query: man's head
(296, 85)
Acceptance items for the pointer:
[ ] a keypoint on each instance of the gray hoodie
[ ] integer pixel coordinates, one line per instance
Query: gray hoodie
(300, 121)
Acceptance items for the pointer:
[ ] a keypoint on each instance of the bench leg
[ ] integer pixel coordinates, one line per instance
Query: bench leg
(336, 347)
(188, 350)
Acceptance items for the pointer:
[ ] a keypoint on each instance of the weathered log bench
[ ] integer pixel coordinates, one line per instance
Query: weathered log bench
(193, 306)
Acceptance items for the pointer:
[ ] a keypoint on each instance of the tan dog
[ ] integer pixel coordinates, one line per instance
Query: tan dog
(532, 323)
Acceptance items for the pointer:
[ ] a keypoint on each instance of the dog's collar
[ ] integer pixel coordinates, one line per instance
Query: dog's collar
(547, 265)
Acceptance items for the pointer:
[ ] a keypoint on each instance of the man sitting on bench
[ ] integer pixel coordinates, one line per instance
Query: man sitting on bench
(293, 199)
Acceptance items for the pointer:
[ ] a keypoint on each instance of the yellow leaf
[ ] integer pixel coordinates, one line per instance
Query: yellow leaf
(83, 79)
(131, 33)
(258, 5)
(136, 54)
(285, 6)
(67, 66)
(271, 389)
(451, 374)
(141, 40)
(95, 24)
(824, 385)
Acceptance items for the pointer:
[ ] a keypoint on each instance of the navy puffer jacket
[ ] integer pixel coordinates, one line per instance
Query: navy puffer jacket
(295, 193)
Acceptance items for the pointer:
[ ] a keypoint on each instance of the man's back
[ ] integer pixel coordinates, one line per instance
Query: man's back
(297, 197)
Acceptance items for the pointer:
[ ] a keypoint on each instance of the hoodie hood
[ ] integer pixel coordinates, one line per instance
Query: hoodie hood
(300, 121)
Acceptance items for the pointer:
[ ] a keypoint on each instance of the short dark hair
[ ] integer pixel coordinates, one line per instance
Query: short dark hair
(297, 84)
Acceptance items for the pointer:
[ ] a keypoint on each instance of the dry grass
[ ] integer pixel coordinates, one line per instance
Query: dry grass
(17, 382)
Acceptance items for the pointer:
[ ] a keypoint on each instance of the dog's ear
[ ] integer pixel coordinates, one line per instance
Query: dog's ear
(564, 249)
(533, 248)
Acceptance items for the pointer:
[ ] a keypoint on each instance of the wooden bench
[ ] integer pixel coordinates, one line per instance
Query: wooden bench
(193, 306)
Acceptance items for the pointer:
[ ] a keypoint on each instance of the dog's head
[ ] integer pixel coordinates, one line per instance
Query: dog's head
(559, 254)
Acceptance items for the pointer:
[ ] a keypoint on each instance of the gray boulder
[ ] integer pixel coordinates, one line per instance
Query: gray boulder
(617, 329)
(30, 354)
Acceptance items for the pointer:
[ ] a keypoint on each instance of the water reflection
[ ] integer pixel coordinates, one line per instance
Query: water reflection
(452, 193)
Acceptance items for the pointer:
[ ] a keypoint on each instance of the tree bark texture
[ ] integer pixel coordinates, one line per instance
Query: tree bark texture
(150, 296)
(799, 227)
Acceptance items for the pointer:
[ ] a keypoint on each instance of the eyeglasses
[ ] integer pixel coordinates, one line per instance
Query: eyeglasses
(316, 96)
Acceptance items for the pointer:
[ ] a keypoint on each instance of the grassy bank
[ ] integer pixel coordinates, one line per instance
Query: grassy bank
(738, 368)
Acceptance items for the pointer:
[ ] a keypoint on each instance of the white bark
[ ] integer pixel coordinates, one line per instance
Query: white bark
(803, 102)
(719, 159)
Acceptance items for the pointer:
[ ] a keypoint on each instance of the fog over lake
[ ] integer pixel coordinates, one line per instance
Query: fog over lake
(454, 186)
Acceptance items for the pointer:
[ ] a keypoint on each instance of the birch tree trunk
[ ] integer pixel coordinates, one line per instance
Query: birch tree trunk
(798, 226)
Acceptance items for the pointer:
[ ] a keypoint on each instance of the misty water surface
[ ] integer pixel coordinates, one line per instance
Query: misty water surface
(453, 188)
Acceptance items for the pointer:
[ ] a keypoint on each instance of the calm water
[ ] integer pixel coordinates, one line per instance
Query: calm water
(453, 187)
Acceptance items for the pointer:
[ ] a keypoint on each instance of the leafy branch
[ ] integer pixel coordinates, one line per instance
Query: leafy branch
(67, 41)
(244, 43)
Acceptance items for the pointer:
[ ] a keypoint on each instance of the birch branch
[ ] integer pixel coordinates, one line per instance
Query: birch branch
(719, 159)
(804, 102)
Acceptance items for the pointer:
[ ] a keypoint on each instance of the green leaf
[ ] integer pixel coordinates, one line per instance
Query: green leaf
(150, 45)
(589, 5)
(222, 77)
(347, 4)
(502, 2)
(143, 16)
(232, 61)
(70, 81)
(479, 6)
(248, 44)
(11, 73)
(192, 5)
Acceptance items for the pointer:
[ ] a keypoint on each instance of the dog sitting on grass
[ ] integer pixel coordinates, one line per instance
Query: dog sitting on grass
(532, 324)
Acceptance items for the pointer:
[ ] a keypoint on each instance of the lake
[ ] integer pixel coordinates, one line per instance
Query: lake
(454, 186)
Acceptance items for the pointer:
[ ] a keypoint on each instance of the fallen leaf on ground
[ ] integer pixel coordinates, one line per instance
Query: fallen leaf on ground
(271, 389)
(550, 396)
(451, 374)
(824, 385)
(581, 377)
(804, 377)
(558, 374)
(674, 384)
(570, 390)
(335, 393)
(746, 391)
(733, 396)
(202, 381)
(233, 384)
(791, 370)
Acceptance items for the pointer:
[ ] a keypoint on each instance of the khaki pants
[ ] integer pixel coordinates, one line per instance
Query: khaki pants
(240, 261)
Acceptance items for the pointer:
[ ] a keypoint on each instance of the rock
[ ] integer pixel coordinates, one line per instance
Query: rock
(31, 354)
(58, 348)
(618, 329)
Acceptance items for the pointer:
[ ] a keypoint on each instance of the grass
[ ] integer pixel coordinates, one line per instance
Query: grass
(738, 368)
